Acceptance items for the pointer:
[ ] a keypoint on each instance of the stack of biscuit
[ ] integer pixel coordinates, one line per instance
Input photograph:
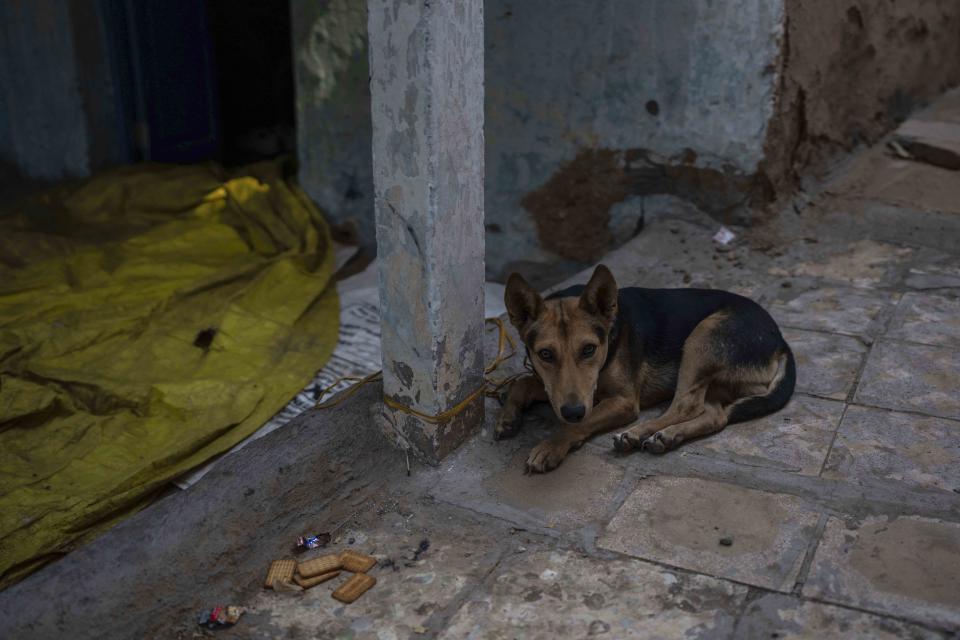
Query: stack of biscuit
(290, 575)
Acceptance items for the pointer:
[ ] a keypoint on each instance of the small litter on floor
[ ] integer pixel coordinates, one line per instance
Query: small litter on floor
(724, 236)
(305, 543)
(420, 550)
(220, 616)
(935, 143)
(309, 573)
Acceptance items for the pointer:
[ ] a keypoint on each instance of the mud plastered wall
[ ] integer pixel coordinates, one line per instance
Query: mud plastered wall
(851, 71)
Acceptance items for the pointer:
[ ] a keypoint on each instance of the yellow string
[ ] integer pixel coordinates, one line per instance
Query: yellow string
(490, 387)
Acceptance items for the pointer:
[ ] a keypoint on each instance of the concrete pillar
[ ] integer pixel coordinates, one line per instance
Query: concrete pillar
(426, 65)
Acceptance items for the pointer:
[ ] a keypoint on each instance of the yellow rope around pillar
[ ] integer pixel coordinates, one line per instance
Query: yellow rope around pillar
(489, 387)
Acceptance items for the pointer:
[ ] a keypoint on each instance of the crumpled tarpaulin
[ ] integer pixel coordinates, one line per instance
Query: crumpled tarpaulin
(150, 318)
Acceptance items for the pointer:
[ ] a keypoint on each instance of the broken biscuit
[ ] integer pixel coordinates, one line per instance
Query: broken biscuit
(320, 565)
(280, 570)
(356, 586)
(306, 583)
(357, 562)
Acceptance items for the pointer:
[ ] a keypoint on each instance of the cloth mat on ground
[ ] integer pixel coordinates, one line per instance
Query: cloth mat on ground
(150, 319)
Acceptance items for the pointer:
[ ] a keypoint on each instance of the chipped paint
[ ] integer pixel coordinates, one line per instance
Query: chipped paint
(428, 181)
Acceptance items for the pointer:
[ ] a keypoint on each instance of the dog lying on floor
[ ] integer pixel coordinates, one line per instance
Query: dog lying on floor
(601, 354)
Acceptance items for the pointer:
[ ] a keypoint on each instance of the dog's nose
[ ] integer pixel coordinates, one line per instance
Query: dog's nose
(573, 412)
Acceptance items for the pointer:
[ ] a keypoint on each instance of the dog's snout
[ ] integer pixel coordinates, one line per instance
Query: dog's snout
(573, 412)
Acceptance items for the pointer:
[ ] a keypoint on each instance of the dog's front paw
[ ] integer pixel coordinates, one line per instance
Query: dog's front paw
(509, 425)
(547, 456)
(626, 441)
(658, 443)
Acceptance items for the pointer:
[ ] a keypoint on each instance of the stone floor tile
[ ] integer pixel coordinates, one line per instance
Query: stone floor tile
(912, 377)
(788, 618)
(489, 477)
(877, 176)
(933, 269)
(903, 447)
(410, 587)
(560, 594)
(795, 439)
(686, 522)
(856, 262)
(945, 108)
(902, 566)
(835, 310)
(927, 319)
(827, 364)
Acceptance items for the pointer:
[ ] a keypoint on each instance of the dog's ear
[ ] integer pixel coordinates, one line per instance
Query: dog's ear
(600, 296)
(523, 303)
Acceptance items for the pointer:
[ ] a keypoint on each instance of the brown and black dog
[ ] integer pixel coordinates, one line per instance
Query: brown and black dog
(601, 354)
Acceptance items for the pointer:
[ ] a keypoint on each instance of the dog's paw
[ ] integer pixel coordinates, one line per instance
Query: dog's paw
(547, 456)
(624, 442)
(658, 443)
(508, 426)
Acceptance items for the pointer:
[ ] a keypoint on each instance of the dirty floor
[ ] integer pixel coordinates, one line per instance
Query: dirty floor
(837, 517)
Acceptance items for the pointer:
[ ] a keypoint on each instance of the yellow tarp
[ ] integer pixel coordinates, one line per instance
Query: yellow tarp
(150, 318)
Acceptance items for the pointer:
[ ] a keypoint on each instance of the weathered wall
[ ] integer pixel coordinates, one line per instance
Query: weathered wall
(852, 70)
(332, 77)
(590, 106)
(671, 91)
(42, 125)
(679, 93)
(59, 115)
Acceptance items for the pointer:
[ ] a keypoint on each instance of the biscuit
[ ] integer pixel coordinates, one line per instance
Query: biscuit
(357, 562)
(319, 565)
(306, 583)
(281, 570)
(356, 586)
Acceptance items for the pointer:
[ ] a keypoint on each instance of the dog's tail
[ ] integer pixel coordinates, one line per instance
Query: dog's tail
(759, 406)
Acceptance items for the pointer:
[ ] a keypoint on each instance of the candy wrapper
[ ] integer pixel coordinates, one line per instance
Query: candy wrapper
(220, 616)
(305, 543)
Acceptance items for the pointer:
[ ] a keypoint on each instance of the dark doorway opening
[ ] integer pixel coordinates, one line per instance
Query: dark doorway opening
(252, 52)
(204, 81)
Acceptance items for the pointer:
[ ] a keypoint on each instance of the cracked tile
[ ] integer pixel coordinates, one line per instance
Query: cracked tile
(489, 477)
(560, 594)
(903, 566)
(886, 445)
(861, 263)
(912, 377)
(835, 310)
(795, 439)
(685, 522)
(827, 364)
(927, 319)
(788, 618)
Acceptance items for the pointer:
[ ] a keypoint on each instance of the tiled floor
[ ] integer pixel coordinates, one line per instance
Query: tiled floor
(838, 516)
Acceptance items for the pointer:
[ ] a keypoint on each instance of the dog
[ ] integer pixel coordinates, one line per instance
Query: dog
(601, 354)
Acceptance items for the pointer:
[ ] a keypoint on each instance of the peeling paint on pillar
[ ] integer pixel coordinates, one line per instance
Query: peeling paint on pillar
(426, 61)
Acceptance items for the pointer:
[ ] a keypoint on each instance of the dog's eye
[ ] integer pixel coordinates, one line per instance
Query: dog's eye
(589, 350)
(546, 355)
